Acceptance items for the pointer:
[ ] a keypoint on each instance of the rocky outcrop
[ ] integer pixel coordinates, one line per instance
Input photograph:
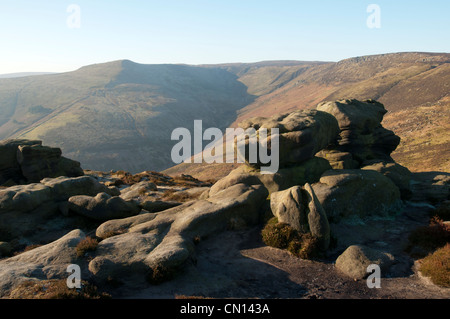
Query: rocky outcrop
(23, 198)
(361, 132)
(103, 207)
(336, 175)
(302, 134)
(25, 161)
(10, 171)
(165, 240)
(24, 209)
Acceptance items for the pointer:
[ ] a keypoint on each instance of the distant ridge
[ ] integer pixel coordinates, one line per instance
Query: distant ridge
(120, 114)
(23, 74)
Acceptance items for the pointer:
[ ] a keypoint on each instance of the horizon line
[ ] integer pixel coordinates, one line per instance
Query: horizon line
(36, 73)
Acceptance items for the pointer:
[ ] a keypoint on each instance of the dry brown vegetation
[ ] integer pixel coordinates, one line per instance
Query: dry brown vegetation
(425, 138)
(56, 289)
(437, 266)
(86, 245)
(160, 179)
(429, 238)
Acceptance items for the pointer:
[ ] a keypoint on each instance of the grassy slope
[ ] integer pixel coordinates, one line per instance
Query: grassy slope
(119, 115)
(425, 144)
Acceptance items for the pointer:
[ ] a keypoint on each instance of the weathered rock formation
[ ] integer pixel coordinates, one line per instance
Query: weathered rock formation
(362, 134)
(24, 161)
(26, 208)
(154, 241)
(302, 134)
(46, 262)
(103, 206)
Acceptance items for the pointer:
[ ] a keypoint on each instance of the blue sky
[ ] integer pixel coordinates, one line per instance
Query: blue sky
(35, 36)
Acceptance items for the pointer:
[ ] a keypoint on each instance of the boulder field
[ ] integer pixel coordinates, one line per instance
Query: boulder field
(335, 171)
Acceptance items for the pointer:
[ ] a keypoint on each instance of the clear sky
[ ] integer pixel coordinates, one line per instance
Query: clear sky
(35, 35)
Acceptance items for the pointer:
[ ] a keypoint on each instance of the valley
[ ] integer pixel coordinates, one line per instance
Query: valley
(119, 115)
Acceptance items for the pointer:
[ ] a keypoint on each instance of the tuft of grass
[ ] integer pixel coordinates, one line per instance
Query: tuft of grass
(56, 289)
(86, 245)
(283, 236)
(437, 266)
(277, 235)
(431, 237)
(305, 246)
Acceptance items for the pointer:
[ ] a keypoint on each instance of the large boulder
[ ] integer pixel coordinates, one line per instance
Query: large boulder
(362, 134)
(300, 208)
(236, 205)
(46, 262)
(400, 175)
(317, 219)
(357, 193)
(302, 134)
(354, 261)
(289, 208)
(103, 207)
